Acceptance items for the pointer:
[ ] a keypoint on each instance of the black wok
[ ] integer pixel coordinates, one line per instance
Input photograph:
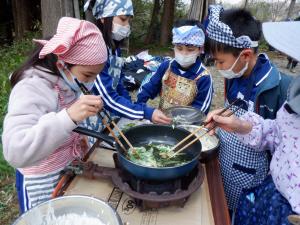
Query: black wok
(157, 134)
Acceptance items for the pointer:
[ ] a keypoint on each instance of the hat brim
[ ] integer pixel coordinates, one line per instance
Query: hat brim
(284, 36)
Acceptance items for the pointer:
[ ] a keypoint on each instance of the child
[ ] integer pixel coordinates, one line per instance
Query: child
(279, 195)
(44, 108)
(113, 19)
(233, 37)
(183, 81)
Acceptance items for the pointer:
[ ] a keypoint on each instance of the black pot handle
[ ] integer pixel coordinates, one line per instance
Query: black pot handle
(95, 134)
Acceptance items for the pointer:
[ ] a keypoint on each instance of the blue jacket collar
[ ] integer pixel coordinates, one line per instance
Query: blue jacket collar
(271, 77)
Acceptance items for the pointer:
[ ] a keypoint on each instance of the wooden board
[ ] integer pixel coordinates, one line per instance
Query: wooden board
(197, 211)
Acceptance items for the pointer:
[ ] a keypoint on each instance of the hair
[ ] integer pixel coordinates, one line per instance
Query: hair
(48, 62)
(106, 30)
(241, 23)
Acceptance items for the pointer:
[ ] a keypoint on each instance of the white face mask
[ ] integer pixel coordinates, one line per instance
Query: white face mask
(185, 60)
(72, 84)
(120, 32)
(229, 74)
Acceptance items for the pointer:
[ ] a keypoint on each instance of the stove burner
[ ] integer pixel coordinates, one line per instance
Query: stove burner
(158, 194)
(148, 194)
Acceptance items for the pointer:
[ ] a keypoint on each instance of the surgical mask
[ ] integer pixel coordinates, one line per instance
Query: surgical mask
(120, 32)
(72, 84)
(185, 60)
(229, 74)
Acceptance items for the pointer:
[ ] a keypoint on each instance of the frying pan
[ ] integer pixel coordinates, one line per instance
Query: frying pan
(156, 134)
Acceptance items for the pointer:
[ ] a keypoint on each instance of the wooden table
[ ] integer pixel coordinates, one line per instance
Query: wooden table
(216, 191)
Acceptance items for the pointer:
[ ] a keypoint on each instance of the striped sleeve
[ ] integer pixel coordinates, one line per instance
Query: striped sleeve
(205, 93)
(117, 104)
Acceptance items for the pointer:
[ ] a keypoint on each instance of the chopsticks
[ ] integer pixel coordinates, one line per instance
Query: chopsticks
(85, 91)
(199, 128)
(199, 137)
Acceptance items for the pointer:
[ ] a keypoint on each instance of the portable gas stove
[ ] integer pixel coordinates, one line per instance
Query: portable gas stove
(148, 194)
(133, 199)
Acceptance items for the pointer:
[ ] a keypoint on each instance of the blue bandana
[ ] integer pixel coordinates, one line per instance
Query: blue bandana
(221, 32)
(110, 8)
(188, 35)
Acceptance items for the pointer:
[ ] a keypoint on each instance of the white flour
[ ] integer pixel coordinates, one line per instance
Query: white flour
(69, 219)
(74, 219)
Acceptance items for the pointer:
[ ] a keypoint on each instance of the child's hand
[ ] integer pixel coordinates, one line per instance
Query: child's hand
(230, 124)
(159, 117)
(84, 107)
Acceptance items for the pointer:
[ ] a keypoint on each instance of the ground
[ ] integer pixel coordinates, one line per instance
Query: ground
(8, 198)
(8, 201)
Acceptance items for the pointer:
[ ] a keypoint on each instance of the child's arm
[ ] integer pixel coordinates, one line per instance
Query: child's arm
(251, 129)
(32, 127)
(124, 107)
(119, 104)
(265, 133)
(152, 88)
(205, 94)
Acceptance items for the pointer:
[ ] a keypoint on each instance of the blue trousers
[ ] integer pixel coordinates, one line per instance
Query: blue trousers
(263, 205)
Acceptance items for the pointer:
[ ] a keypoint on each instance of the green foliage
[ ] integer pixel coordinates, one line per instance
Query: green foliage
(142, 16)
(263, 46)
(154, 49)
(141, 19)
(5, 169)
(181, 10)
(8, 201)
(10, 57)
(261, 10)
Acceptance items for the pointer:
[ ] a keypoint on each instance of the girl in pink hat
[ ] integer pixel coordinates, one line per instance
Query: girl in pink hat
(44, 108)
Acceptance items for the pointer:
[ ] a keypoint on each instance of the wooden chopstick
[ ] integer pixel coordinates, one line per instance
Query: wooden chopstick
(119, 130)
(206, 132)
(123, 136)
(186, 138)
(113, 134)
(203, 124)
(85, 91)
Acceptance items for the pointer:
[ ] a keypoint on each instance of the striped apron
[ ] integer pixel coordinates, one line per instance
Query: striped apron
(35, 184)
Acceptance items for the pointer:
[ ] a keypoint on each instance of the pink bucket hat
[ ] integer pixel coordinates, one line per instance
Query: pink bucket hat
(77, 42)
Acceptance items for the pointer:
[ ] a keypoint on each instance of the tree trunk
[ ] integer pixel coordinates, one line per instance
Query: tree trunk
(76, 9)
(291, 9)
(198, 9)
(245, 4)
(52, 11)
(153, 24)
(6, 22)
(167, 21)
(275, 8)
(22, 16)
